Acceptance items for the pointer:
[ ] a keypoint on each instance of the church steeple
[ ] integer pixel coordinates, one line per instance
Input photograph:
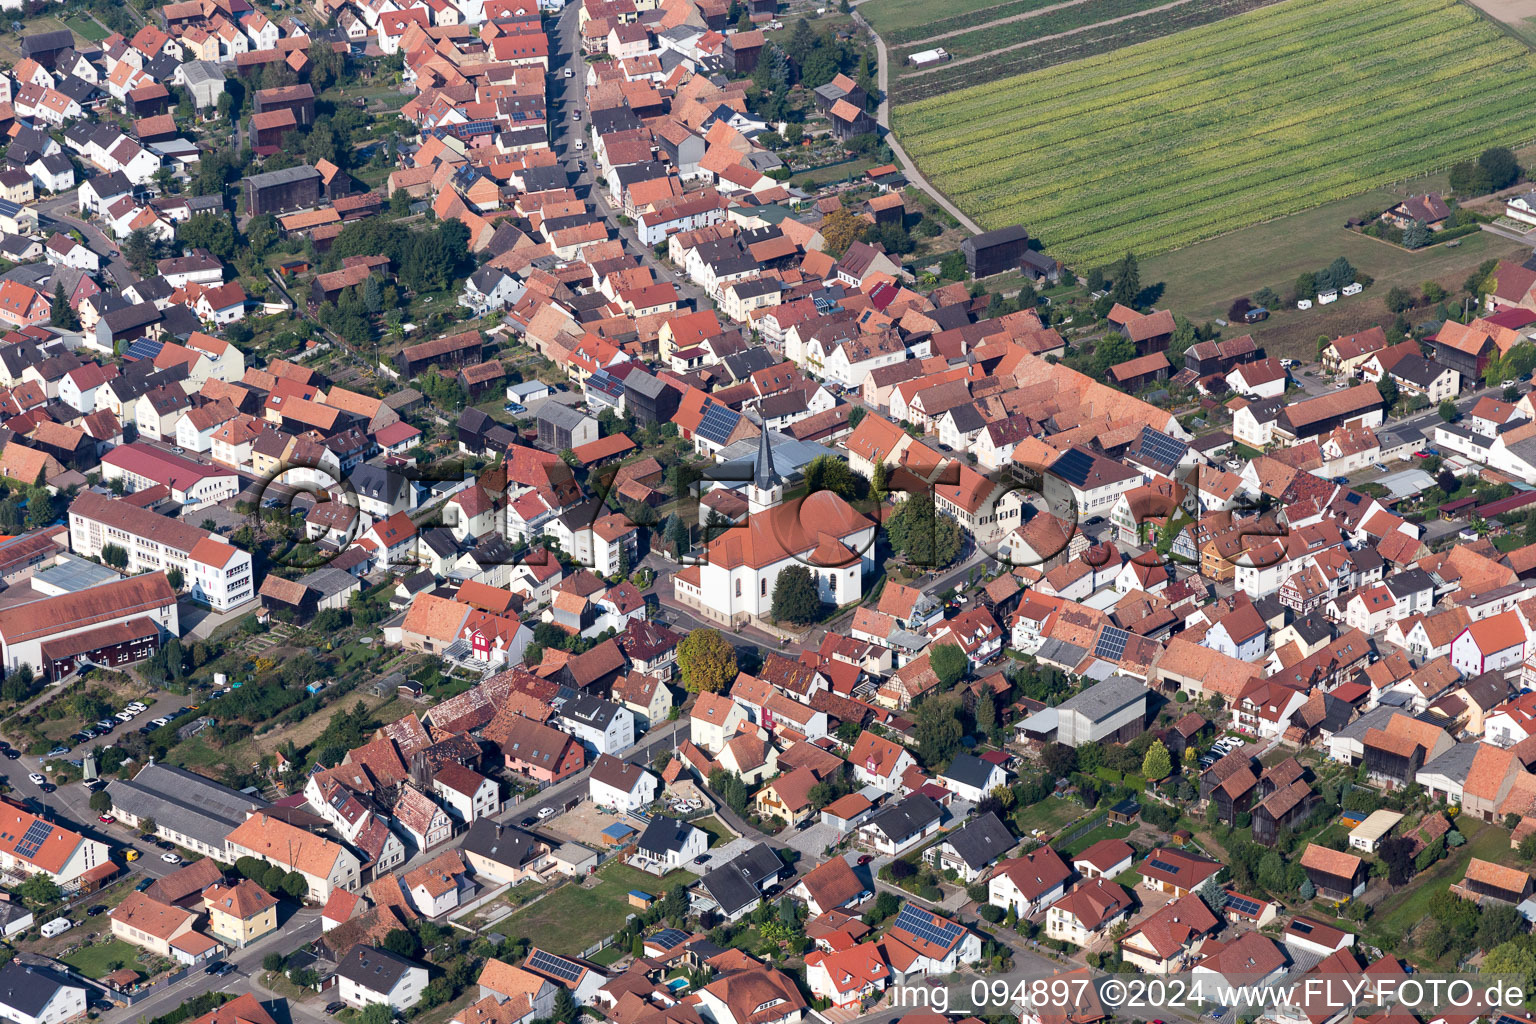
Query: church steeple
(767, 488)
(764, 476)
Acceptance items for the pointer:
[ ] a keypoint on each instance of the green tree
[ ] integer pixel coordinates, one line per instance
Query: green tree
(830, 473)
(1500, 166)
(1399, 299)
(1416, 235)
(794, 596)
(1389, 393)
(986, 712)
(1127, 281)
(403, 943)
(1448, 411)
(1157, 764)
(936, 724)
(40, 891)
(175, 578)
(1514, 957)
(377, 1013)
(707, 661)
(101, 803)
(949, 663)
(61, 315)
(1306, 285)
(273, 962)
(1111, 350)
(565, 1009)
(212, 231)
(295, 885)
(114, 556)
(1468, 178)
(926, 538)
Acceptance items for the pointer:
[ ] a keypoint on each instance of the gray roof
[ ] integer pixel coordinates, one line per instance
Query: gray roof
(1407, 582)
(982, 841)
(664, 835)
(589, 711)
(303, 172)
(968, 770)
(75, 574)
(1454, 764)
(905, 819)
(327, 582)
(375, 482)
(26, 991)
(1100, 701)
(500, 844)
(184, 802)
(196, 71)
(377, 970)
(737, 884)
(561, 415)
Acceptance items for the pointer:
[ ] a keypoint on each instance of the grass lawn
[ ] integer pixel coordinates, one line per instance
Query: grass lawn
(573, 918)
(1048, 815)
(1130, 878)
(837, 172)
(1400, 911)
(96, 961)
(1109, 830)
(1201, 280)
(608, 955)
(717, 832)
(86, 28)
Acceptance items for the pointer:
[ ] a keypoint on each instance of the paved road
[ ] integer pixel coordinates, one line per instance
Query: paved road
(62, 212)
(302, 927)
(568, 102)
(883, 117)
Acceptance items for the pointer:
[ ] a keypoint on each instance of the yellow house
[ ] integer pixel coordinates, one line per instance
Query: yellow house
(240, 914)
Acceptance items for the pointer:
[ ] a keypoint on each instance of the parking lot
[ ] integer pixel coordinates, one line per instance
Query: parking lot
(813, 841)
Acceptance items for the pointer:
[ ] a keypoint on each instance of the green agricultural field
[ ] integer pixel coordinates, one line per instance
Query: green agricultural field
(1158, 145)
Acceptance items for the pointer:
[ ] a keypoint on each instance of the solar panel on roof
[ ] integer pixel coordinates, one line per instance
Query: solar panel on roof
(930, 929)
(1073, 466)
(33, 839)
(143, 348)
(1301, 926)
(668, 937)
(556, 966)
(1111, 645)
(1242, 904)
(718, 422)
(1162, 865)
(1157, 445)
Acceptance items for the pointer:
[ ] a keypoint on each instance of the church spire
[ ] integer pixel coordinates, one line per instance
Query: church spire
(764, 476)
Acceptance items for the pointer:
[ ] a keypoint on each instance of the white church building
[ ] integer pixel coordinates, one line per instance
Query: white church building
(822, 532)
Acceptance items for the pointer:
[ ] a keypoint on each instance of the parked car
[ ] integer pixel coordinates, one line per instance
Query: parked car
(106, 819)
(220, 969)
(157, 723)
(96, 911)
(35, 778)
(702, 858)
(170, 858)
(546, 812)
(332, 1009)
(58, 751)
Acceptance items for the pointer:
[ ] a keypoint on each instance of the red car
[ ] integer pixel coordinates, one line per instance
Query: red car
(105, 819)
(865, 859)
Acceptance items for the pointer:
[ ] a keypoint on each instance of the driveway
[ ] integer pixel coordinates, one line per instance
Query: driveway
(813, 842)
(721, 854)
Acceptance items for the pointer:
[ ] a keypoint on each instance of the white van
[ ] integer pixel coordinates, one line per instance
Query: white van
(58, 926)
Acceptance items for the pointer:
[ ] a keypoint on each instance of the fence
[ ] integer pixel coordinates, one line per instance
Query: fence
(603, 944)
(1082, 828)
